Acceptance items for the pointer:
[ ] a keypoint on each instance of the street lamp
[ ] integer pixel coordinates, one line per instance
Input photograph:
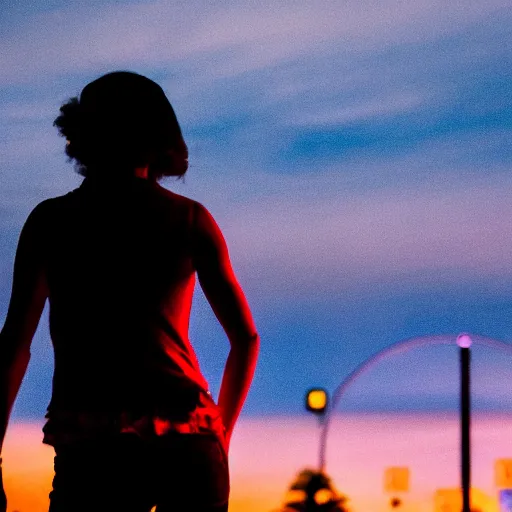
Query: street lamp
(317, 400)
(464, 343)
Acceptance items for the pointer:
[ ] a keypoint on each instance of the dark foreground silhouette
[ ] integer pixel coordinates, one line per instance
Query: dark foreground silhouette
(131, 418)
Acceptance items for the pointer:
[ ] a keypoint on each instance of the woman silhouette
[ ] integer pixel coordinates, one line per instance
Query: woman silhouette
(131, 418)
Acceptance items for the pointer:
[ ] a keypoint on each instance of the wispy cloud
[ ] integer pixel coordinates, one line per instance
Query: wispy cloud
(12, 112)
(411, 234)
(376, 108)
(287, 71)
(85, 38)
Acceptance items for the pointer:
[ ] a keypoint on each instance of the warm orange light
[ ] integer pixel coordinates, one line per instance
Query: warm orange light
(503, 473)
(450, 500)
(396, 479)
(295, 496)
(323, 496)
(316, 400)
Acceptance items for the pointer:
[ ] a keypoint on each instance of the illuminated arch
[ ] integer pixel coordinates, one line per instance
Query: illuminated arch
(399, 347)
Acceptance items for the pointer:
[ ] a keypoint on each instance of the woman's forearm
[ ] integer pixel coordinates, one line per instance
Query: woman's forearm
(236, 380)
(12, 371)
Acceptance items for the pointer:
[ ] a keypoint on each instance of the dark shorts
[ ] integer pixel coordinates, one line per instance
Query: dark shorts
(175, 472)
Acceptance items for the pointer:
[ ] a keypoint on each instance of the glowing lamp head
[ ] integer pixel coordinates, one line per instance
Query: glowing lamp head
(464, 341)
(316, 400)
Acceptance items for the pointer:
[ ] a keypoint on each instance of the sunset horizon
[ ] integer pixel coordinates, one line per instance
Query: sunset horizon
(279, 447)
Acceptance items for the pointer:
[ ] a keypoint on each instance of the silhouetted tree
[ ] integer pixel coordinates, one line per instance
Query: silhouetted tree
(313, 491)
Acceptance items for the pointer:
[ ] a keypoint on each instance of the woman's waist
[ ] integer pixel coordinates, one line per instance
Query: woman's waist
(204, 415)
(127, 385)
(170, 399)
(65, 425)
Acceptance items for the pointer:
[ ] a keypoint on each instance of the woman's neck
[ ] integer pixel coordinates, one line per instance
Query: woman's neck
(116, 174)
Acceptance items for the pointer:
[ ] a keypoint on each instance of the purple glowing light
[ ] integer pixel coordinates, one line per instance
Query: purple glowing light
(464, 341)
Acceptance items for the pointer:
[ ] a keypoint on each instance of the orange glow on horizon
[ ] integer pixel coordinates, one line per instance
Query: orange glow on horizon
(267, 453)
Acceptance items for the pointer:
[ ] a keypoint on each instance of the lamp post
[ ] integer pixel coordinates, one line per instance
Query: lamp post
(317, 401)
(464, 343)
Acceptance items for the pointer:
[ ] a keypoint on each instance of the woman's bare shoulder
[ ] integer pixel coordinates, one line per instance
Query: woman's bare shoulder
(176, 198)
(180, 203)
(47, 207)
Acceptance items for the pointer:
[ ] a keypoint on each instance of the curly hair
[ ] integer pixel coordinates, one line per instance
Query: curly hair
(121, 121)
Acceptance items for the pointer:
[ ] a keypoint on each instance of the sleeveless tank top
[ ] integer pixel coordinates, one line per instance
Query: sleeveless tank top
(121, 275)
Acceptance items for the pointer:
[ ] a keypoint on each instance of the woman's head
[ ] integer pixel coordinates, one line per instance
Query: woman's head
(122, 121)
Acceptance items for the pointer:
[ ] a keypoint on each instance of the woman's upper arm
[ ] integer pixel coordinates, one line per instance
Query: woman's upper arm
(29, 287)
(217, 278)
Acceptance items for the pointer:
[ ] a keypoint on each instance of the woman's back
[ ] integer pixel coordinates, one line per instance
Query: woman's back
(120, 278)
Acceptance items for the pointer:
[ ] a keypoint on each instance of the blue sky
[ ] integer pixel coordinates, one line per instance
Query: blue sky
(356, 154)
